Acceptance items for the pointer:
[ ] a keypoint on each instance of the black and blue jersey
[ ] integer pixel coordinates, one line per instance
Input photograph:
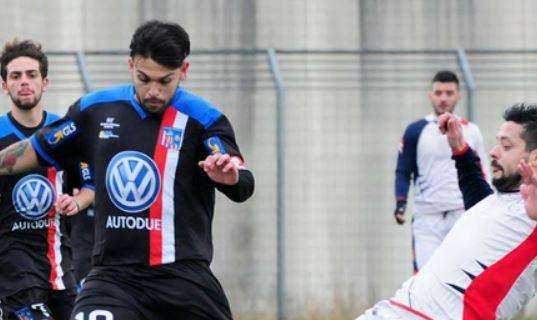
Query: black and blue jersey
(154, 205)
(34, 252)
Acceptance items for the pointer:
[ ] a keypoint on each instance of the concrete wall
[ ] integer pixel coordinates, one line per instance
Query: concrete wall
(345, 115)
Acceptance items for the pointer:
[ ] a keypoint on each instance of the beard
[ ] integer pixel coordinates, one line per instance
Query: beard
(507, 183)
(155, 110)
(25, 105)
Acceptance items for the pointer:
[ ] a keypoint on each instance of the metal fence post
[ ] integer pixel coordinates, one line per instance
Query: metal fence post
(82, 68)
(280, 168)
(469, 82)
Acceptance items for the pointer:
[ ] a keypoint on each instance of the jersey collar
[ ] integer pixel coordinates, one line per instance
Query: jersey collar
(19, 133)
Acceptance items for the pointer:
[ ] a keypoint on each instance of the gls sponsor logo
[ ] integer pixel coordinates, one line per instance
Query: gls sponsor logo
(132, 181)
(33, 197)
(59, 134)
(85, 171)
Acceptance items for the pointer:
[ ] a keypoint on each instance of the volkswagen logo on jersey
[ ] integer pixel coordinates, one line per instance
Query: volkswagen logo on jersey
(33, 197)
(132, 181)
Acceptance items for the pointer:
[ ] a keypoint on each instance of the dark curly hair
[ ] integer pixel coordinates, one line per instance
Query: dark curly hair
(25, 48)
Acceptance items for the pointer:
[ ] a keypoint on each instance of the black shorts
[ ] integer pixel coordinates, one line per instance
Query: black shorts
(39, 303)
(183, 290)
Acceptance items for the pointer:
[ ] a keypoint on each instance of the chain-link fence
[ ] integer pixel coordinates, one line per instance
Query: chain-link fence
(320, 131)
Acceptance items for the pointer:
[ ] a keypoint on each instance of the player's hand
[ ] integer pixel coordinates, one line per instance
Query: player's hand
(66, 205)
(528, 189)
(399, 211)
(452, 128)
(221, 168)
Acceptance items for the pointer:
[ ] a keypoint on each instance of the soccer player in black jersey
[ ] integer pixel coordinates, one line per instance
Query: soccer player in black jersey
(36, 281)
(158, 154)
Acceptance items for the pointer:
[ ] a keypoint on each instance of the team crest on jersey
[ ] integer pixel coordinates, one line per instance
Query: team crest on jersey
(215, 145)
(132, 181)
(60, 133)
(172, 138)
(33, 197)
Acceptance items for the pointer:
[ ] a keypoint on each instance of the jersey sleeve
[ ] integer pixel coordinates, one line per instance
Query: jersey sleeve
(220, 138)
(472, 183)
(59, 142)
(406, 163)
(78, 174)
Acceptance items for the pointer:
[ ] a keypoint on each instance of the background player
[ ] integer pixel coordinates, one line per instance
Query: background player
(35, 265)
(484, 268)
(425, 158)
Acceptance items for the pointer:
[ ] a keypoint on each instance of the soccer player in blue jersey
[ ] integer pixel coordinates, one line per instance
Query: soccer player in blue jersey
(424, 159)
(36, 281)
(158, 153)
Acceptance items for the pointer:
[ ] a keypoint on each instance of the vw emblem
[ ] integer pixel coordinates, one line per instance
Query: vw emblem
(132, 181)
(33, 196)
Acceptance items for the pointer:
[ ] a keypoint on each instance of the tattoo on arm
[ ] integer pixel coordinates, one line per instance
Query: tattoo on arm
(10, 156)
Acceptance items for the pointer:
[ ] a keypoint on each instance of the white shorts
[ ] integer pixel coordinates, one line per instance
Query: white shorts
(428, 232)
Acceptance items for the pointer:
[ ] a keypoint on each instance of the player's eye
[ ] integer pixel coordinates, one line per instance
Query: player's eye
(143, 79)
(165, 81)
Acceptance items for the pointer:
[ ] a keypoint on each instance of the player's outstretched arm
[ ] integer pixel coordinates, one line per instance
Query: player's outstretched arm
(17, 158)
(230, 176)
(71, 205)
(528, 188)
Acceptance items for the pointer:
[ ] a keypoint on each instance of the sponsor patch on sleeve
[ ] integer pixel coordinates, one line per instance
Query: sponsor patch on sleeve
(85, 171)
(215, 145)
(61, 133)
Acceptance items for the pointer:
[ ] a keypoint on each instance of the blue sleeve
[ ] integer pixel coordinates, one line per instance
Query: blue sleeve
(407, 167)
(59, 141)
(472, 183)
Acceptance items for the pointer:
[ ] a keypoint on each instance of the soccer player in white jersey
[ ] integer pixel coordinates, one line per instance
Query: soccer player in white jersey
(425, 159)
(485, 267)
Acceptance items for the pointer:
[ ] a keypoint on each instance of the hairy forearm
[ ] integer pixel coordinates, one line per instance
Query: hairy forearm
(17, 158)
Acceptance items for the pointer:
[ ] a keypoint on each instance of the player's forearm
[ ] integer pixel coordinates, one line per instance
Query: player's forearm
(84, 198)
(17, 158)
(242, 190)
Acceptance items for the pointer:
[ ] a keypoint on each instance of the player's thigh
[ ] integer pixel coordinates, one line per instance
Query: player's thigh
(100, 300)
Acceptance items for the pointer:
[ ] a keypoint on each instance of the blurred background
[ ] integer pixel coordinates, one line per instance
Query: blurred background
(319, 93)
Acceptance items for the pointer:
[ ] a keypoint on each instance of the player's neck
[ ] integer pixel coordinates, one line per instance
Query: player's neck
(28, 118)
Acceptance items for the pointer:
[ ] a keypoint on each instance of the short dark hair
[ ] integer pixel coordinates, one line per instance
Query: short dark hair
(25, 48)
(525, 115)
(165, 42)
(446, 76)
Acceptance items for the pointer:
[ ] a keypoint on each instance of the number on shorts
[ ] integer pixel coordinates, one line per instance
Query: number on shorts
(95, 314)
